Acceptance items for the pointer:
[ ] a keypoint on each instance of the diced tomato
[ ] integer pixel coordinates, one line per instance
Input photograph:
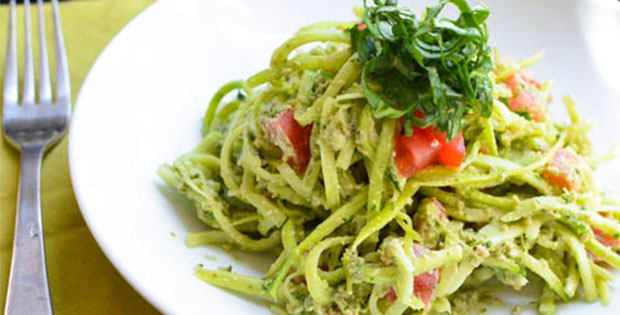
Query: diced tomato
(425, 147)
(415, 153)
(298, 137)
(514, 81)
(362, 26)
(523, 98)
(452, 153)
(562, 169)
(525, 101)
(605, 239)
(391, 295)
(423, 284)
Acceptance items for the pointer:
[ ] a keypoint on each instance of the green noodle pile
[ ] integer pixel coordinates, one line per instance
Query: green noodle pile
(342, 233)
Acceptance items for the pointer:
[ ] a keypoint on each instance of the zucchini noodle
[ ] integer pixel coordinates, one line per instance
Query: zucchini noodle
(351, 235)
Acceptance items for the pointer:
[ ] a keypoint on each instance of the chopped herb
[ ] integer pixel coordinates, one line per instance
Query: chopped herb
(525, 114)
(265, 285)
(435, 65)
(240, 95)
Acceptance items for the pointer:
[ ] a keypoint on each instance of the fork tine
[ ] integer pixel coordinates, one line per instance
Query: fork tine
(45, 90)
(10, 92)
(63, 84)
(28, 90)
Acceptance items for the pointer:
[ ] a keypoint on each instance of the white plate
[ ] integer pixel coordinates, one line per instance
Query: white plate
(142, 102)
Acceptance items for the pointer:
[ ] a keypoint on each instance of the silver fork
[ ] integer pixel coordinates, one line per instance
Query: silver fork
(33, 128)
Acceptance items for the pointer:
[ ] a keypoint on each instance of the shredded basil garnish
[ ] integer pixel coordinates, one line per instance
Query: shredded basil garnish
(434, 65)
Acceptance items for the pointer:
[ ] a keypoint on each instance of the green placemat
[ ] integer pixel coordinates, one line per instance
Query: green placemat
(82, 280)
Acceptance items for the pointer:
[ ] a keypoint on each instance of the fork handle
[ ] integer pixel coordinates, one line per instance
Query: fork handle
(28, 291)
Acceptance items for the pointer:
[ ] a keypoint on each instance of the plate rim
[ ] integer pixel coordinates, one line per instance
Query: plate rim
(134, 283)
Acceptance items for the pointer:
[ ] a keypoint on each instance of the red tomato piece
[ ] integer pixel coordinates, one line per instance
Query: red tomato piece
(425, 147)
(521, 85)
(521, 100)
(562, 169)
(525, 101)
(391, 295)
(452, 153)
(513, 82)
(605, 239)
(415, 153)
(423, 284)
(298, 137)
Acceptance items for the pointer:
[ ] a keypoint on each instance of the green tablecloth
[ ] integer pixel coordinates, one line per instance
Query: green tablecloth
(82, 280)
